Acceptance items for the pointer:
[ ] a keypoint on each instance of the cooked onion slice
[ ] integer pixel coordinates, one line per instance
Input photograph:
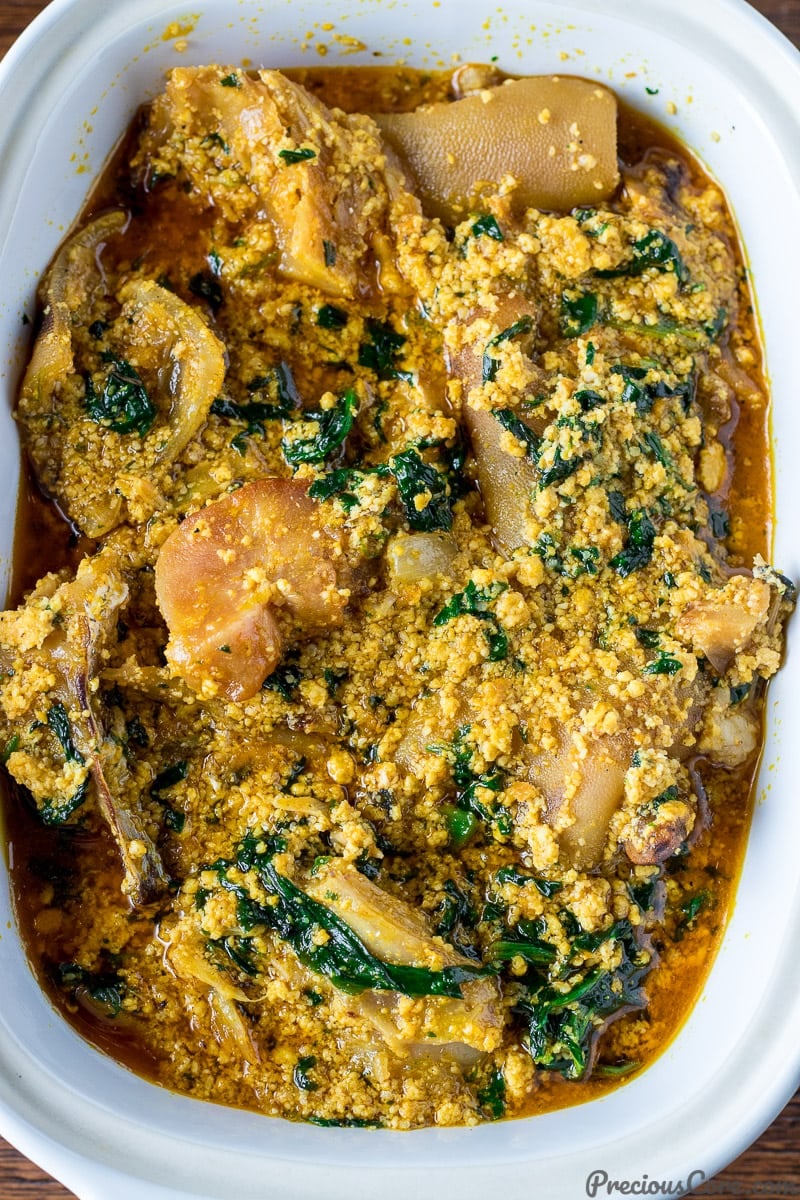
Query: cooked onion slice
(415, 556)
(224, 576)
(556, 136)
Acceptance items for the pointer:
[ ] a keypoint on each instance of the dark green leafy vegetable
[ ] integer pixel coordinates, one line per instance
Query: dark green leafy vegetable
(331, 317)
(487, 224)
(491, 365)
(524, 939)
(522, 432)
(338, 484)
(279, 385)
(174, 819)
(539, 953)
(105, 988)
(690, 910)
(644, 892)
(344, 959)
(475, 602)
(455, 909)
(493, 815)
(562, 1025)
(639, 548)
(11, 745)
(666, 797)
(547, 887)
(467, 781)
(616, 507)
(216, 139)
(561, 468)
(367, 866)
(586, 218)
(137, 733)
(239, 951)
(714, 328)
(649, 638)
(461, 826)
(53, 812)
(249, 856)
(588, 399)
(589, 942)
(59, 723)
(587, 558)
(297, 770)
(231, 80)
(456, 918)
(663, 664)
(381, 352)
(415, 477)
(166, 779)
(492, 1096)
(123, 405)
(578, 315)
(334, 424)
(644, 395)
(451, 459)
(738, 692)
(656, 446)
(284, 680)
(626, 1066)
(329, 252)
(654, 250)
(296, 156)
(300, 1074)
(334, 679)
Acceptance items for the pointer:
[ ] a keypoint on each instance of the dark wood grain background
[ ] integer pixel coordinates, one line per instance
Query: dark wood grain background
(771, 1167)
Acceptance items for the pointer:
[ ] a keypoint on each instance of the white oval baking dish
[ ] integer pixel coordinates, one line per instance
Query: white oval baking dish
(67, 90)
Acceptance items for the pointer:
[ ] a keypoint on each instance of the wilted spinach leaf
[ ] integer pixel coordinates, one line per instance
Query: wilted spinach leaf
(417, 478)
(123, 405)
(334, 424)
(578, 315)
(639, 548)
(491, 365)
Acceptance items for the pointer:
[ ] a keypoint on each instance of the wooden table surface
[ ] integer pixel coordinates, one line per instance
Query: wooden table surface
(771, 1167)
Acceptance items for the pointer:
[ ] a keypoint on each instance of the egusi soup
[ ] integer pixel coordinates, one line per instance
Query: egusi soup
(384, 693)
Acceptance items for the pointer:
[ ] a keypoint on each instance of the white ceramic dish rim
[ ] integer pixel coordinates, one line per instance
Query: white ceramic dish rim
(58, 1097)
